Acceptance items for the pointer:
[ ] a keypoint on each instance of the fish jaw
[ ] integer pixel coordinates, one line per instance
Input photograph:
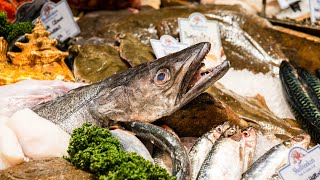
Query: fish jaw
(198, 80)
(158, 88)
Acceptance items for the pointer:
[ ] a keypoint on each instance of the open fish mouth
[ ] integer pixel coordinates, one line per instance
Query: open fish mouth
(201, 74)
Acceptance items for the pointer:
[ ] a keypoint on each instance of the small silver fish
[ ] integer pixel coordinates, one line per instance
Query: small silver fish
(267, 165)
(202, 146)
(226, 158)
(249, 147)
(130, 143)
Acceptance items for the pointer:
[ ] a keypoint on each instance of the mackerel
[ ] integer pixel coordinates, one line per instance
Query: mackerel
(303, 108)
(268, 164)
(311, 84)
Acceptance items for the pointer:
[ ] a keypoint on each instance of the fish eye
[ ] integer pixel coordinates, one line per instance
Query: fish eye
(162, 76)
(219, 129)
(246, 134)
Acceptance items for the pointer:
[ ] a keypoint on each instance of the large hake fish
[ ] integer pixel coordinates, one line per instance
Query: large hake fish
(143, 93)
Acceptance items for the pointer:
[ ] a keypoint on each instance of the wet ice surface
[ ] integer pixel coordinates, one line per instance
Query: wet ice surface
(264, 143)
(245, 83)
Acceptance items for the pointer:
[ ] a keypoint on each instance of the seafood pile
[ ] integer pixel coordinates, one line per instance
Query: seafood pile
(227, 153)
(192, 118)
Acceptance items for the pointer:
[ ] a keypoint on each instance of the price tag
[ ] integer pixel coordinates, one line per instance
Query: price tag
(166, 45)
(58, 20)
(197, 29)
(314, 10)
(284, 4)
(302, 164)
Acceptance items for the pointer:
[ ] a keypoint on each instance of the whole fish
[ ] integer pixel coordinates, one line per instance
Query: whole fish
(202, 146)
(267, 165)
(226, 158)
(249, 137)
(130, 143)
(143, 93)
(304, 110)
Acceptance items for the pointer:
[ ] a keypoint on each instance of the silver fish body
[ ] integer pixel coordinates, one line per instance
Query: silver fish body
(226, 160)
(249, 137)
(222, 162)
(202, 147)
(130, 143)
(268, 164)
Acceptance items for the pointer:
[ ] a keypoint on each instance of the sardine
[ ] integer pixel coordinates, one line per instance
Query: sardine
(130, 143)
(143, 93)
(202, 146)
(304, 110)
(267, 165)
(249, 137)
(226, 158)
(165, 141)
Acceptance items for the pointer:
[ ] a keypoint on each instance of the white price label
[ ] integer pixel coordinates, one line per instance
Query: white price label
(284, 4)
(166, 45)
(302, 164)
(314, 10)
(58, 20)
(196, 29)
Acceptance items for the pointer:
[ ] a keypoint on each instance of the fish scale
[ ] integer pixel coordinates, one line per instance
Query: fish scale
(312, 84)
(303, 108)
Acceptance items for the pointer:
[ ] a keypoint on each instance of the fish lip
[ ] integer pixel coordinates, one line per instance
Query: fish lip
(185, 94)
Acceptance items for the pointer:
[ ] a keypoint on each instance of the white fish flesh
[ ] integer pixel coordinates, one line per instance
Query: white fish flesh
(38, 137)
(10, 150)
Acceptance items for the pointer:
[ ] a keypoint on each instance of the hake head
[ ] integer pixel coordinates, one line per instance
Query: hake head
(158, 88)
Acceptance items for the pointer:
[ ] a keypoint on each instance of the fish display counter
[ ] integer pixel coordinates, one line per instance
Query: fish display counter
(103, 105)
